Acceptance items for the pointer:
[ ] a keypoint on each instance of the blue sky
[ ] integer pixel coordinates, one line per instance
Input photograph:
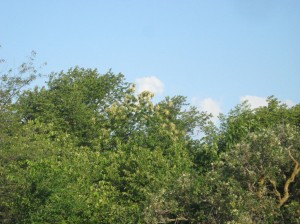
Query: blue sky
(214, 52)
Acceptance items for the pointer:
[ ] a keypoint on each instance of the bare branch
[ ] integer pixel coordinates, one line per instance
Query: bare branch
(290, 154)
(277, 193)
(177, 219)
(289, 180)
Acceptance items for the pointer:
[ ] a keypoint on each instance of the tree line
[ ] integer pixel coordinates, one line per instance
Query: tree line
(85, 148)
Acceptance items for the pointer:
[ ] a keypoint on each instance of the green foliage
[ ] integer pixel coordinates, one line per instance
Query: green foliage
(259, 164)
(242, 120)
(87, 149)
(12, 82)
(74, 101)
(76, 185)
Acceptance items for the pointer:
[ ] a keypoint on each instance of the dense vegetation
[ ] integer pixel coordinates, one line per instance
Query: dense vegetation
(87, 149)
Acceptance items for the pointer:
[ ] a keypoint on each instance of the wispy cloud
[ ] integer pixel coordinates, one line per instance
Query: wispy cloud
(150, 83)
(256, 101)
(209, 105)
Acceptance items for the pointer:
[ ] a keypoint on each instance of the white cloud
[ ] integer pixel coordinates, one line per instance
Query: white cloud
(150, 83)
(289, 103)
(209, 105)
(255, 101)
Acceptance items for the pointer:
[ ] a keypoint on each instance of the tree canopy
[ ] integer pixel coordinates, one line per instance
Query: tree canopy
(86, 148)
